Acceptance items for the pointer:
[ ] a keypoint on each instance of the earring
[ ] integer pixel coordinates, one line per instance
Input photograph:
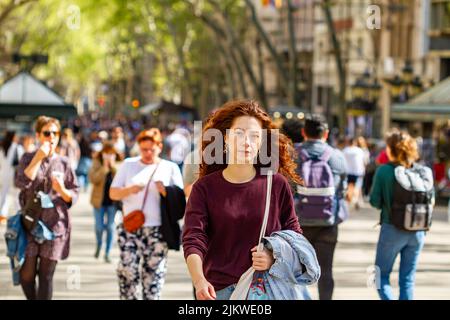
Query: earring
(225, 148)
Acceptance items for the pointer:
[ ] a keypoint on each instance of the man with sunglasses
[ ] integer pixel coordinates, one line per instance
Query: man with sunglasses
(50, 175)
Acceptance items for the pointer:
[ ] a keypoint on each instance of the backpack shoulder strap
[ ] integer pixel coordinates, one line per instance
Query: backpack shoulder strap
(304, 155)
(326, 155)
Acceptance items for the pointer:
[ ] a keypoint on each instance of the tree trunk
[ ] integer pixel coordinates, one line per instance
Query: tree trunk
(244, 58)
(10, 7)
(230, 73)
(293, 87)
(283, 73)
(229, 49)
(262, 82)
(342, 112)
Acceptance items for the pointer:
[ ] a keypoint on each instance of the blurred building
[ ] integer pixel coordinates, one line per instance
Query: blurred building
(439, 38)
(274, 19)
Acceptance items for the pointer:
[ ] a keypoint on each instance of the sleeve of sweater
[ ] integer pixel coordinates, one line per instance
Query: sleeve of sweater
(375, 193)
(21, 180)
(195, 238)
(288, 217)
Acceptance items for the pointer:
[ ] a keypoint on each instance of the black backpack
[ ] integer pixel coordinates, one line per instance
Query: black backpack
(412, 206)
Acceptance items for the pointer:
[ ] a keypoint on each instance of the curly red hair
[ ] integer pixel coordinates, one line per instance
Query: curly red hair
(223, 118)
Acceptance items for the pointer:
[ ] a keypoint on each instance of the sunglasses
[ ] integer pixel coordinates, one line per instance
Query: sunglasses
(48, 133)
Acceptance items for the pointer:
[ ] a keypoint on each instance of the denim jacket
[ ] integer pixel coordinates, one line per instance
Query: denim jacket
(295, 266)
(16, 242)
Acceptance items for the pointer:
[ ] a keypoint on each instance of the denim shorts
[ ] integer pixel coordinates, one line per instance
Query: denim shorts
(357, 180)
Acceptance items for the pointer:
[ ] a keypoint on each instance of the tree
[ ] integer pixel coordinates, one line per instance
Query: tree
(326, 7)
(7, 9)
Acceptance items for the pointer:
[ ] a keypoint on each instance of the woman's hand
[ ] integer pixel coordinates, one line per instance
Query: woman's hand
(161, 188)
(44, 151)
(58, 184)
(204, 290)
(263, 260)
(60, 188)
(135, 188)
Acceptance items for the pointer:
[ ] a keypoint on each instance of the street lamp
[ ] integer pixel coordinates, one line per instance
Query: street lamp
(375, 90)
(407, 86)
(365, 94)
(416, 86)
(396, 88)
(408, 72)
(27, 62)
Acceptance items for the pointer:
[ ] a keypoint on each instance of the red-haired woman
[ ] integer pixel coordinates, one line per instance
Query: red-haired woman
(404, 178)
(226, 206)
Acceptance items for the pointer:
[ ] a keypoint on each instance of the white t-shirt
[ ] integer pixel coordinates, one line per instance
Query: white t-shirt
(120, 146)
(133, 171)
(179, 147)
(356, 162)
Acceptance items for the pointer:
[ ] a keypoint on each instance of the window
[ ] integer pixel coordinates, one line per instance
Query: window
(440, 15)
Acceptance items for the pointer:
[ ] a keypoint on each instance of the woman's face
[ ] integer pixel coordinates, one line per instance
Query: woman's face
(50, 134)
(149, 151)
(109, 156)
(243, 140)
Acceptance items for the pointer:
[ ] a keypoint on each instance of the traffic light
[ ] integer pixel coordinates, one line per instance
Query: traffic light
(101, 101)
(135, 103)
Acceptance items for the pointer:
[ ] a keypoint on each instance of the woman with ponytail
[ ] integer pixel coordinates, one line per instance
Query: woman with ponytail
(402, 152)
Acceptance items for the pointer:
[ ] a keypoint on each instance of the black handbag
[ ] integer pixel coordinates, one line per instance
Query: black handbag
(31, 212)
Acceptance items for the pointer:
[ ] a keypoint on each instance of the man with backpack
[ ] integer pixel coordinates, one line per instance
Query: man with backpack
(320, 203)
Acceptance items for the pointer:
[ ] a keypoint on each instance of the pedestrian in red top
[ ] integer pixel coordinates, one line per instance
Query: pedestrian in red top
(226, 206)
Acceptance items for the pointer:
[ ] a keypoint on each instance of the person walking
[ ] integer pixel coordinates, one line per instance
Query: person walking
(179, 145)
(402, 176)
(85, 162)
(101, 175)
(226, 205)
(117, 137)
(356, 163)
(50, 175)
(10, 154)
(320, 203)
(142, 183)
(69, 148)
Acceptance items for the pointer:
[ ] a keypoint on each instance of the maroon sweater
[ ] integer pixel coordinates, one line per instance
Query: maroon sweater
(223, 221)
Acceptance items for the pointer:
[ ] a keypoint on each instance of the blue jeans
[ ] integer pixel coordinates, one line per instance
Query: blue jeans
(225, 293)
(392, 242)
(83, 170)
(100, 226)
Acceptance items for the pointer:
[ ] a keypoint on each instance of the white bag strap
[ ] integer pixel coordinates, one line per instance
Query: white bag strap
(242, 287)
(266, 212)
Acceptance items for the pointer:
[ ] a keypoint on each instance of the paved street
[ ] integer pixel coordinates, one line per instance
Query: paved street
(354, 255)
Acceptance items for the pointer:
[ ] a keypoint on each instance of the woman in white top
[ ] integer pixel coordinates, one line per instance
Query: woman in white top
(146, 244)
(356, 160)
(10, 154)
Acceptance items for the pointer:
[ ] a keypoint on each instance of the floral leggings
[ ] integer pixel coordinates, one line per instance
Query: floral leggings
(146, 245)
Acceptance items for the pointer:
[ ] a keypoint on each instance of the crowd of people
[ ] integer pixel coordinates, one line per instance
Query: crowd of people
(148, 175)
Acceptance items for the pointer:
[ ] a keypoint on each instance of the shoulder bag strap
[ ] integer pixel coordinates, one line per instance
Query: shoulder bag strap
(266, 212)
(148, 185)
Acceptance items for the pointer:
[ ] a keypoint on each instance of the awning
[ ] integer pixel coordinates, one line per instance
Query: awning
(169, 108)
(431, 105)
(23, 98)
